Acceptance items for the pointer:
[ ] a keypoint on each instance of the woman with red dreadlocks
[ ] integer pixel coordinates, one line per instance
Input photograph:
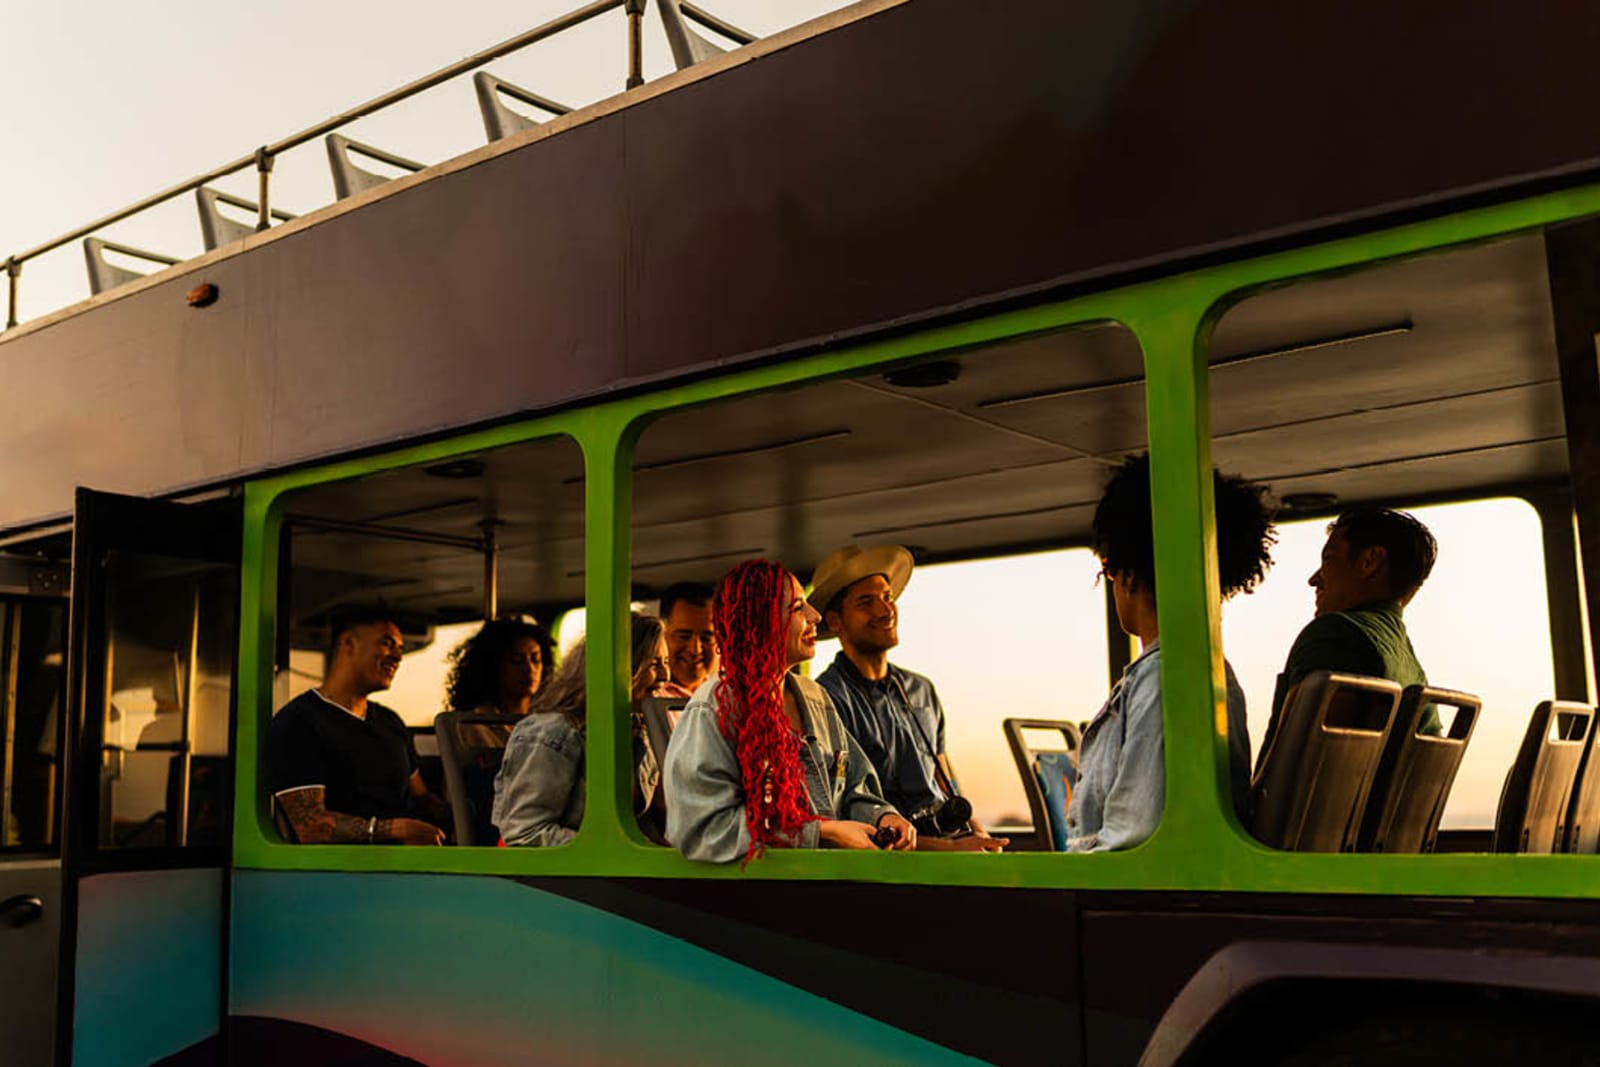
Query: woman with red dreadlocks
(760, 758)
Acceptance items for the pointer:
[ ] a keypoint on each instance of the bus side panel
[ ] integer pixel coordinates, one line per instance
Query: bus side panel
(458, 969)
(1146, 956)
(149, 968)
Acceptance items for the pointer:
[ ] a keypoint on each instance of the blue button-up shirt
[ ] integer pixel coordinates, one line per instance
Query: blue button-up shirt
(899, 724)
(1122, 770)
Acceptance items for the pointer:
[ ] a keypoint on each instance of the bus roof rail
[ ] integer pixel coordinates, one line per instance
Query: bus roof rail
(262, 158)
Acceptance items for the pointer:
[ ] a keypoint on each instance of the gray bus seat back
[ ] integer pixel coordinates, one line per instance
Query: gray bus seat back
(1026, 758)
(217, 229)
(1538, 788)
(1416, 772)
(1311, 791)
(348, 178)
(104, 275)
(498, 119)
(484, 746)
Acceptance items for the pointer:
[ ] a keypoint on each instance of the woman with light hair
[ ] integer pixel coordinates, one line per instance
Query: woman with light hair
(539, 792)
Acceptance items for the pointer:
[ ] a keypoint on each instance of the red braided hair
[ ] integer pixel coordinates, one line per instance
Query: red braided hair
(751, 617)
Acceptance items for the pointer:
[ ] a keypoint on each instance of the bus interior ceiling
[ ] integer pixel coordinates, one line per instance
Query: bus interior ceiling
(1426, 378)
(368, 539)
(939, 457)
(1418, 379)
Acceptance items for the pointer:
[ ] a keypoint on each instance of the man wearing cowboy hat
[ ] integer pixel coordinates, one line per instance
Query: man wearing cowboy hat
(893, 713)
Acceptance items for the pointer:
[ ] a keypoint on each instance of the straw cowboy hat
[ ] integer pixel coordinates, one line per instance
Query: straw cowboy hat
(847, 565)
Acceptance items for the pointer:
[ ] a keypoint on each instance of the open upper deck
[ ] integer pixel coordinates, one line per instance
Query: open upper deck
(895, 163)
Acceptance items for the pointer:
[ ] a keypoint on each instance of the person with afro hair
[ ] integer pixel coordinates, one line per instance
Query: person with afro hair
(1121, 787)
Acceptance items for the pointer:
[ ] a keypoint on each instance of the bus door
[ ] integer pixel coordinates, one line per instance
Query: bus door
(149, 697)
(33, 625)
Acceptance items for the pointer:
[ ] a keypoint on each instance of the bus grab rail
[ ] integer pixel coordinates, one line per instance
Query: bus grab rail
(264, 156)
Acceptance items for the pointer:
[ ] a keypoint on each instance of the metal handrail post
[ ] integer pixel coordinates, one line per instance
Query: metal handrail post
(191, 690)
(491, 571)
(635, 11)
(264, 161)
(13, 272)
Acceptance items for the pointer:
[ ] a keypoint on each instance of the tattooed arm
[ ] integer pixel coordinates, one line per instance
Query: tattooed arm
(314, 824)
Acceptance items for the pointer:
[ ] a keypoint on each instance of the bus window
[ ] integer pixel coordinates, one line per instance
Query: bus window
(164, 768)
(991, 669)
(435, 549)
(985, 467)
(1480, 616)
(1427, 387)
(32, 633)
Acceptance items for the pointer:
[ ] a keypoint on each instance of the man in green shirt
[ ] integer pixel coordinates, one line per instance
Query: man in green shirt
(1373, 563)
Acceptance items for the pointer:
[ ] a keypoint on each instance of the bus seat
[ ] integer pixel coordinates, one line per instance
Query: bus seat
(1538, 788)
(349, 179)
(1311, 790)
(1047, 776)
(471, 746)
(660, 715)
(1415, 773)
(217, 229)
(689, 47)
(500, 121)
(1057, 773)
(104, 276)
(1583, 820)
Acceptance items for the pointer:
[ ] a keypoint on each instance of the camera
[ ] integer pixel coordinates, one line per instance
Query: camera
(947, 819)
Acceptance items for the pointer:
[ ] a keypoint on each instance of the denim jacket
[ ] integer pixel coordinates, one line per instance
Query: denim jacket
(705, 792)
(538, 794)
(539, 791)
(1122, 770)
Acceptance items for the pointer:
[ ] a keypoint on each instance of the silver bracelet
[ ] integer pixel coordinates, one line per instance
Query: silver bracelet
(372, 828)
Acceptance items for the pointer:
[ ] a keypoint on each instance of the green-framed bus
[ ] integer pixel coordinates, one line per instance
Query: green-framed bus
(907, 273)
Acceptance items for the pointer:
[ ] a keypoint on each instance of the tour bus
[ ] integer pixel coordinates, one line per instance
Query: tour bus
(918, 272)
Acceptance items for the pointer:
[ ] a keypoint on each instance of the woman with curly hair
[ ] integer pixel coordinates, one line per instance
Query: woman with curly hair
(539, 792)
(760, 758)
(495, 672)
(500, 668)
(1122, 782)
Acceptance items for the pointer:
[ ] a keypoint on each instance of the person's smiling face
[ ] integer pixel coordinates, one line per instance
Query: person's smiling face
(803, 619)
(1346, 577)
(867, 620)
(692, 643)
(375, 654)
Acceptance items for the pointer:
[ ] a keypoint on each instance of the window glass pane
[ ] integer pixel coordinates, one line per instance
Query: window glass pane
(1000, 651)
(423, 555)
(1363, 397)
(981, 468)
(32, 633)
(1479, 624)
(165, 777)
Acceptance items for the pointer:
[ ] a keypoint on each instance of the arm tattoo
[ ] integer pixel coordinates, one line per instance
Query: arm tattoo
(316, 825)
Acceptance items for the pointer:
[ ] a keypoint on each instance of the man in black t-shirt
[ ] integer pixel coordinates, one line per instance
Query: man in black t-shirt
(341, 767)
